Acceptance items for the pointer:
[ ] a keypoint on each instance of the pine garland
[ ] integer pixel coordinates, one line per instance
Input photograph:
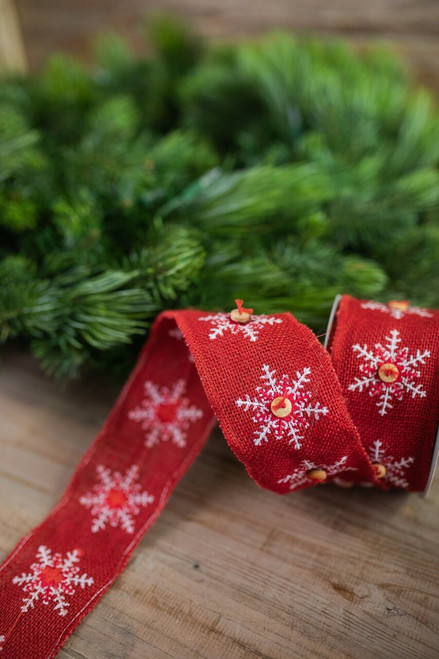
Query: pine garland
(282, 171)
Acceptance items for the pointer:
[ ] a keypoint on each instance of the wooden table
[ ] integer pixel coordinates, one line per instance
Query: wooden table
(229, 570)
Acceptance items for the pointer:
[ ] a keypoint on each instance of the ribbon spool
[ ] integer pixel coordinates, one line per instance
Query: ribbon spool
(364, 411)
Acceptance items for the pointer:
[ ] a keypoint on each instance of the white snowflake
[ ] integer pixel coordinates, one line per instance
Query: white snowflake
(301, 475)
(175, 333)
(396, 312)
(2, 640)
(52, 578)
(389, 353)
(395, 469)
(115, 499)
(165, 414)
(290, 389)
(221, 323)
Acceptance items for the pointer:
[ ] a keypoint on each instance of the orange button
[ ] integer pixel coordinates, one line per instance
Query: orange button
(240, 316)
(379, 469)
(318, 475)
(281, 407)
(400, 305)
(388, 372)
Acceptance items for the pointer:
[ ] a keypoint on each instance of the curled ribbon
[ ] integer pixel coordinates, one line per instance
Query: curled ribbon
(363, 411)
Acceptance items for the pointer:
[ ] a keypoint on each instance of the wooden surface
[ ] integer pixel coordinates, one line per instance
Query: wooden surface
(229, 570)
(412, 26)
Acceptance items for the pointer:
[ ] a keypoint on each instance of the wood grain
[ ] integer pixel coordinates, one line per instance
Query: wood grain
(411, 26)
(229, 570)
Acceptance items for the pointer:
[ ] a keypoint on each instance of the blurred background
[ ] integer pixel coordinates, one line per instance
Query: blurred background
(42, 26)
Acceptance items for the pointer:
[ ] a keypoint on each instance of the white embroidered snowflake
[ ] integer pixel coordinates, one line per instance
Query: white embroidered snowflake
(389, 353)
(395, 469)
(115, 499)
(395, 312)
(300, 476)
(302, 409)
(52, 579)
(2, 640)
(165, 414)
(175, 333)
(221, 323)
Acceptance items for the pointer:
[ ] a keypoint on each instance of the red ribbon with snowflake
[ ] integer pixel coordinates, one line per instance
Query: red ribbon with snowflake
(365, 412)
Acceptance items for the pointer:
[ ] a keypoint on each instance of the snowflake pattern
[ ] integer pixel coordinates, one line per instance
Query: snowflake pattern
(165, 414)
(406, 368)
(395, 469)
(293, 390)
(52, 578)
(176, 334)
(301, 477)
(395, 311)
(116, 499)
(221, 323)
(2, 640)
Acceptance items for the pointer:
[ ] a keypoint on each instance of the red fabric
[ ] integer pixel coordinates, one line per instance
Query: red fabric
(197, 367)
(407, 429)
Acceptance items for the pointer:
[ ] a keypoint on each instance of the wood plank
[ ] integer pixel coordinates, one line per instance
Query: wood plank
(411, 26)
(229, 570)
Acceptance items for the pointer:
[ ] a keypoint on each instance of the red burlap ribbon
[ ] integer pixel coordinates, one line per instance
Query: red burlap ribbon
(296, 415)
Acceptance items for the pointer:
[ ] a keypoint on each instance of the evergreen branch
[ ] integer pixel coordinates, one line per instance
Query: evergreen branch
(281, 170)
(223, 202)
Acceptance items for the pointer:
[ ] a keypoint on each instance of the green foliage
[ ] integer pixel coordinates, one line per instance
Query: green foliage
(282, 171)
